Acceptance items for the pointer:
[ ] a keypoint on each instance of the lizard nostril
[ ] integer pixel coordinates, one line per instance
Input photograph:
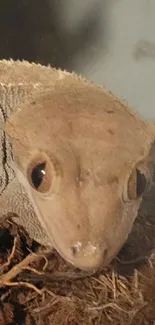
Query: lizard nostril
(73, 250)
(105, 253)
(76, 248)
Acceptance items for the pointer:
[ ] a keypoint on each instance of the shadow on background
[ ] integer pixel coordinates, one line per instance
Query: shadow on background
(31, 30)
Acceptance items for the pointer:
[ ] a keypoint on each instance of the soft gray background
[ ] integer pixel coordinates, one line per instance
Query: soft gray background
(123, 57)
(111, 42)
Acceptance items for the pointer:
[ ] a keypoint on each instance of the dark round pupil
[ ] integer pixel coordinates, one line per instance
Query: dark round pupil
(38, 174)
(141, 182)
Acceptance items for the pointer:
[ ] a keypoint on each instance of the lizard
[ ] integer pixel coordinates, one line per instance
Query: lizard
(75, 162)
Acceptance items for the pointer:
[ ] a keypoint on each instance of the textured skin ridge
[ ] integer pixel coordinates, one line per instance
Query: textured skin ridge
(94, 138)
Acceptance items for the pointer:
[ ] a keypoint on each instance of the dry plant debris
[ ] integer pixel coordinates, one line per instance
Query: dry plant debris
(39, 287)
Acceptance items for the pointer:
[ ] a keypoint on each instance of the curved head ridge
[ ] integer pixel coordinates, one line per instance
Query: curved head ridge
(84, 160)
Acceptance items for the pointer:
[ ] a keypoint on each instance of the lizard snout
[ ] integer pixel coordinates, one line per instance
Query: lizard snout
(89, 257)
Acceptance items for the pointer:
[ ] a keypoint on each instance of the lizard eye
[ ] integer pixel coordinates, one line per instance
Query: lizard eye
(138, 183)
(40, 174)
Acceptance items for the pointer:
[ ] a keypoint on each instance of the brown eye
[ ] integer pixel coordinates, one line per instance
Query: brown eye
(138, 183)
(40, 174)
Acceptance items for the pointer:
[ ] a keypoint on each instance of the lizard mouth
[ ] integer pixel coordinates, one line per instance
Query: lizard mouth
(87, 258)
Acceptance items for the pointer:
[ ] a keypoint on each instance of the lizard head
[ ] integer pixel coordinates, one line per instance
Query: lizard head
(84, 159)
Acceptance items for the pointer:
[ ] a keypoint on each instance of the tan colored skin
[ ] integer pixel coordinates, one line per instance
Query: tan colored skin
(91, 142)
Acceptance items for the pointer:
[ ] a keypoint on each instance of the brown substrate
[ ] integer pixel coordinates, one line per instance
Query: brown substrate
(50, 291)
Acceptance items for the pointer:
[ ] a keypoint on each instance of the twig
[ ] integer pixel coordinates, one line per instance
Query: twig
(133, 261)
(7, 263)
(25, 284)
(17, 268)
(48, 305)
(56, 276)
(29, 268)
(114, 285)
(112, 306)
(5, 279)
